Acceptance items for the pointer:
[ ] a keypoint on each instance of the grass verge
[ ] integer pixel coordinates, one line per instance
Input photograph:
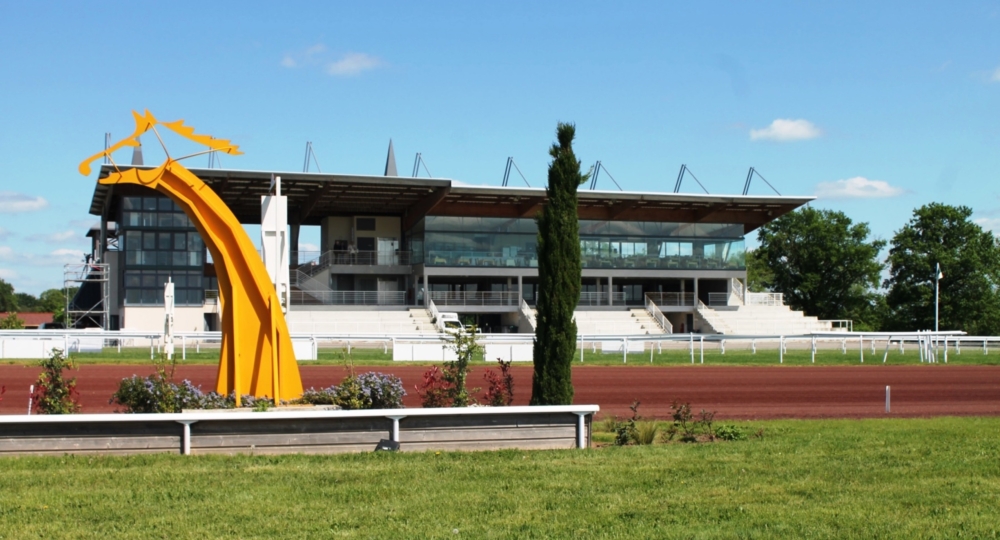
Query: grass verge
(845, 478)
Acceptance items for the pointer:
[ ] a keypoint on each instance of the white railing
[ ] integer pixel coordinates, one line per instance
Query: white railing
(658, 316)
(671, 299)
(718, 299)
(764, 299)
(475, 298)
(350, 298)
(737, 288)
(601, 299)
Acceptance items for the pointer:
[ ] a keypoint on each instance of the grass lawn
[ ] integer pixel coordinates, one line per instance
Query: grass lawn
(845, 478)
(735, 355)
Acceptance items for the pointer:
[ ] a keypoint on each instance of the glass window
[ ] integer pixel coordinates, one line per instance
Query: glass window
(132, 203)
(178, 258)
(152, 296)
(149, 241)
(133, 296)
(149, 203)
(166, 205)
(163, 241)
(180, 241)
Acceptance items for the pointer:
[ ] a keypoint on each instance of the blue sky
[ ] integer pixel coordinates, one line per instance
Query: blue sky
(876, 107)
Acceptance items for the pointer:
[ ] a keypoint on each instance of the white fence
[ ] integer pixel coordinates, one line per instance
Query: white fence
(931, 346)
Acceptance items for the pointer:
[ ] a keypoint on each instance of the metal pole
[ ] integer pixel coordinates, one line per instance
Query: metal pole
(946, 349)
(861, 347)
(624, 350)
(814, 349)
(887, 399)
(691, 345)
(937, 289)
(781, 350)
(702, 345)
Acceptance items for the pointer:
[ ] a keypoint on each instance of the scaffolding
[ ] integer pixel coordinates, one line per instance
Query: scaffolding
(89, 306)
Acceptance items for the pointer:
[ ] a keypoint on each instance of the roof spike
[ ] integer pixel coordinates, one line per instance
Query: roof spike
(137, 153)
(390, 162)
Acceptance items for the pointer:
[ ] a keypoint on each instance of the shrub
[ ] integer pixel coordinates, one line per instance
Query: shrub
(645, 432)
(499, 385)
(370, 390)
(729, 432)
(11, 322)
(54, 394)
(625, 432)
(435, 390)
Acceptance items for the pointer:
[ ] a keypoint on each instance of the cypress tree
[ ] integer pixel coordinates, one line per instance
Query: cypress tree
(558, 276)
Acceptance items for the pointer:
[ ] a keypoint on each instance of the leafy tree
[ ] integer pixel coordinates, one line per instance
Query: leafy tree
(969, 259)
(824, 264)
(26, 302)
(11, 322)
(54, 301)
(759, 275)
(8, 300)
(558, 275)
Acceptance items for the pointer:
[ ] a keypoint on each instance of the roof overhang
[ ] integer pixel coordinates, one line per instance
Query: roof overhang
(313, 196)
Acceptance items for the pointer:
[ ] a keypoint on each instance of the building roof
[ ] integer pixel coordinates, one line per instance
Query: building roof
(31, 319)
(313, 196)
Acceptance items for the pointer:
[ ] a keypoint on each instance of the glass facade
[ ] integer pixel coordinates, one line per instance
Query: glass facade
(471, 241)
(159, 243)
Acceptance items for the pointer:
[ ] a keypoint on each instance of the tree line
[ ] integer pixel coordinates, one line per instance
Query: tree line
(50, 301)
(830, 267)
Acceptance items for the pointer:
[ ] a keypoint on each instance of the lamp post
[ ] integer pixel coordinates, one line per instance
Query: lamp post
(937, 293)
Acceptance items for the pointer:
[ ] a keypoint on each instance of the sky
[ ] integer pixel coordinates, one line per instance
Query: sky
(875, 108)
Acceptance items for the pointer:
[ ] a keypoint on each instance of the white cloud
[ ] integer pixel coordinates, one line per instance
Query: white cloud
(989, 223)
(858, 187)
(5, 234)
(352, 64)
(56, 257)
(12, 202)
(996, 75)
(785, 129)
(288, 61)
(7, 274)
(56, 238)
(305, 246)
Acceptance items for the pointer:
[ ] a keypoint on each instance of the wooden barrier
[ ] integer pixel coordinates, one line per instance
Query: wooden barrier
(307, 432)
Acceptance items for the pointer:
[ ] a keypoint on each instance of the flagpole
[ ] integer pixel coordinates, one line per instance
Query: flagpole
(937, 289)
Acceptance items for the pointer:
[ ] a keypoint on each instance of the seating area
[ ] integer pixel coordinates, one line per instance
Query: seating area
(359, 322)
(760, 320)
(624, 322)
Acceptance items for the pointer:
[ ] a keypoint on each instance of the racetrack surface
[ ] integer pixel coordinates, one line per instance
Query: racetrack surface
(733, 392)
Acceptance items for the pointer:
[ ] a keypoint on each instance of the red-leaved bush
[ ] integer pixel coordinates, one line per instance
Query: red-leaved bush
(499, 385)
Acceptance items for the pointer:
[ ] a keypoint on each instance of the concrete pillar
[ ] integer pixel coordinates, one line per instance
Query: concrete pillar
(293, 245)
(427, 290)
(520, 288)
(610, 292)
(696, 291)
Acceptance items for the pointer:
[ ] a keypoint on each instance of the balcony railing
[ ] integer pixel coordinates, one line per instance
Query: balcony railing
(357, 258)
(475, 298)
(601, 299)
(530, 260)
(671, 299)
(349, 298)
(764, 299)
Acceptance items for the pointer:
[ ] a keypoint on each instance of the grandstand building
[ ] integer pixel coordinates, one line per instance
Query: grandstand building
(394, 250)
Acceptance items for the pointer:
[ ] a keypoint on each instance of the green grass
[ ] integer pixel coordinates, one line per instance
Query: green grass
(736, 355)
(819, 479)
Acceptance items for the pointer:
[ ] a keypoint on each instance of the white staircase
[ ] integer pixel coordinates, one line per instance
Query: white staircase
(615, 322)
(759, 320)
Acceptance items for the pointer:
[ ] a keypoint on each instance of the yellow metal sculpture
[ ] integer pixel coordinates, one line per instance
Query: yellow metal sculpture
(256, 356)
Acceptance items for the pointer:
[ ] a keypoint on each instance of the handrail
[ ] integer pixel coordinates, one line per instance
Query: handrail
(718, 299)
(658, 316)
(706, 313)
(737, 286)
(527, 313)
(435, 314)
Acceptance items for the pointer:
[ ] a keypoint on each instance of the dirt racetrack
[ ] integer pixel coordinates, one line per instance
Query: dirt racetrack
(733, 392)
